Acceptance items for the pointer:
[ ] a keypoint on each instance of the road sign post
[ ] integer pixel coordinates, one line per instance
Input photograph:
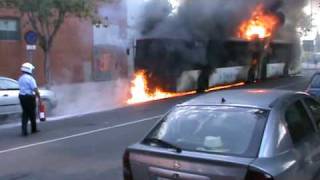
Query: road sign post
(31, 39)
(31, 49)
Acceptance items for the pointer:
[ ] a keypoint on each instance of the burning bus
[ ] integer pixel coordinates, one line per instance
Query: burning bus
(176, 65)
(167, 67)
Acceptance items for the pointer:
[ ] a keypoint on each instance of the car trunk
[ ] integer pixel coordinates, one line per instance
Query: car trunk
(155, 164)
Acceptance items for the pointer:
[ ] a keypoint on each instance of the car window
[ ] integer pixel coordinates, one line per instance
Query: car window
(315, 83)
(225, 130)
(314, 107)
(8, 85)
(299, 123)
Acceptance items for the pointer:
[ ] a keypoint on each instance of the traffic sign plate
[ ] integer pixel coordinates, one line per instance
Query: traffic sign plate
(31, 47)
(31, 37)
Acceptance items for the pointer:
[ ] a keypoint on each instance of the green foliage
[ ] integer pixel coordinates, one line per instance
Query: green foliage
(48, 8)
(305, 24)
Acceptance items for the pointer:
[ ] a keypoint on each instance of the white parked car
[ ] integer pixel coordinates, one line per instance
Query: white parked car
(9, 97)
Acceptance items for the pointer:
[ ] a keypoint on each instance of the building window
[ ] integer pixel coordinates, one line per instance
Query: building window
(9, 29)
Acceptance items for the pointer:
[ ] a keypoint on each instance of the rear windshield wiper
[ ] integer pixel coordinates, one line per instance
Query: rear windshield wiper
(162, 142)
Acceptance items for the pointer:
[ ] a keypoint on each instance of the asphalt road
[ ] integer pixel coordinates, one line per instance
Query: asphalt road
(91, 146)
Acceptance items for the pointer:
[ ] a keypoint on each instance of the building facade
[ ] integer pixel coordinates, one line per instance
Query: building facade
(81, 51)
(110, 42)
(71, 55)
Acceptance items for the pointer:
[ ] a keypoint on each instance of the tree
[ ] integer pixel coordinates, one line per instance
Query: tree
(47, 16)
(305, 24)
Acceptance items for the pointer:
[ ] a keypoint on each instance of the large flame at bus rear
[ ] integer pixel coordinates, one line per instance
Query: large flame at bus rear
(140, 93)
(262, 24)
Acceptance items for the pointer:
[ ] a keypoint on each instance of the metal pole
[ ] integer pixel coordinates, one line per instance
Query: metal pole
(311, 11)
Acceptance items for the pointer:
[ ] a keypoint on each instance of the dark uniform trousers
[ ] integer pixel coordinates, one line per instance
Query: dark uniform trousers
(28, 104)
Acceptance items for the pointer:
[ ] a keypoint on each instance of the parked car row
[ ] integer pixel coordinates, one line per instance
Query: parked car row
(9, 97)
(233, 135)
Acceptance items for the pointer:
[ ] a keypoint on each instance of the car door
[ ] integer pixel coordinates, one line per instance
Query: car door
(313, 107)
(304, 139)
(9, 100)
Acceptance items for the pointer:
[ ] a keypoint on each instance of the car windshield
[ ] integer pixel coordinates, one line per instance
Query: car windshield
(315, 83)
(223, 130)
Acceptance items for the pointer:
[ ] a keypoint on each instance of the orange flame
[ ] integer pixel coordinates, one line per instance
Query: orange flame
(226, 86)
(261, 24)
(140, 94)
(139, 91)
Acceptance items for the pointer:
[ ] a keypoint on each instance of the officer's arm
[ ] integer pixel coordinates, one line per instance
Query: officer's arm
(36, 90)
(35, 87)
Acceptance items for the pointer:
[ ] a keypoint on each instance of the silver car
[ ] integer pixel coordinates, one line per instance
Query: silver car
(232, 135)
(9, 97)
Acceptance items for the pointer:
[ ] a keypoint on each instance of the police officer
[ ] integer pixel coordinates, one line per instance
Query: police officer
(27, 96)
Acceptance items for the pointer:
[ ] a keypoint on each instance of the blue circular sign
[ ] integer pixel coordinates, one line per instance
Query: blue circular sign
(31, 38)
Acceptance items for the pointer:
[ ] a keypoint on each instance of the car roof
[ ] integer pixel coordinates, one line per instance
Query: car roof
(6, 78)
(259, 98)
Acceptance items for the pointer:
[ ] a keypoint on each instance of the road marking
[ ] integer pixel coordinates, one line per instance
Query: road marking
(57, 118)
(79, 135)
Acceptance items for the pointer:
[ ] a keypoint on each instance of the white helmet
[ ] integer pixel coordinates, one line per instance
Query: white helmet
(27, 67)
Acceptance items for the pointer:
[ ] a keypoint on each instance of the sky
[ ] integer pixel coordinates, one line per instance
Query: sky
(316, 19)
(175, 5)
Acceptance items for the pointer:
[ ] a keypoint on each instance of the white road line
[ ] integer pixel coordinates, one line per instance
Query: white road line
(57, 118)
(78, 135)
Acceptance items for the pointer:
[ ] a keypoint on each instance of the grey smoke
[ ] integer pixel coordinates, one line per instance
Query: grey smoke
(90, 97)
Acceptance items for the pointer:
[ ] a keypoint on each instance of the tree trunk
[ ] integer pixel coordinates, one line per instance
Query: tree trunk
(47, 69)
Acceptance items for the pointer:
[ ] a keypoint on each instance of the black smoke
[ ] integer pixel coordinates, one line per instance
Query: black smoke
(203, 19)
(216, 20)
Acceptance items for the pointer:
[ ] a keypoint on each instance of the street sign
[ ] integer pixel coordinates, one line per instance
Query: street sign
(31, 38)
(31, 47)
